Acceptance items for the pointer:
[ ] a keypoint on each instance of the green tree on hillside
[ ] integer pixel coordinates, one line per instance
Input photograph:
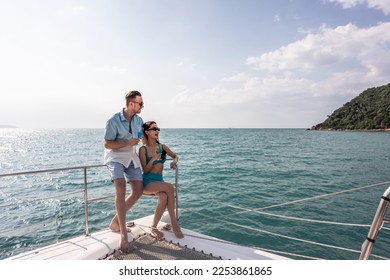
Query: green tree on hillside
(370, 110)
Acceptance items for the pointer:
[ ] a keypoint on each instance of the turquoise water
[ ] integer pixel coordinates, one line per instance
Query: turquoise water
(222, 172)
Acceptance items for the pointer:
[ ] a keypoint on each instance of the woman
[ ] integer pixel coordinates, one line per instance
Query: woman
(152, 156)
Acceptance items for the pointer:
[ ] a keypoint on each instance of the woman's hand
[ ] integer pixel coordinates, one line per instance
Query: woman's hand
(174, 162)
(156, 156)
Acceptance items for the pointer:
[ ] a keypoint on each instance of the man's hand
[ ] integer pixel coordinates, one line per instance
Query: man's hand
(133, 141)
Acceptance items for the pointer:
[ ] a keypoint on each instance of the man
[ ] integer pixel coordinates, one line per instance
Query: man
(120, 141)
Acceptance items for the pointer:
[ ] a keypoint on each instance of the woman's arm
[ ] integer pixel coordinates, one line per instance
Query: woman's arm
(142, 157)
(174, 157)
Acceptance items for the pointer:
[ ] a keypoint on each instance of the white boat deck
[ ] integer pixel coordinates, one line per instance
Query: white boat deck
(100, 244)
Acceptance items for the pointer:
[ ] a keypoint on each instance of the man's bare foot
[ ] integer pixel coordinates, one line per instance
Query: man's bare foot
(115, 227)
(156, 233)
(124, 245)
(128, 229)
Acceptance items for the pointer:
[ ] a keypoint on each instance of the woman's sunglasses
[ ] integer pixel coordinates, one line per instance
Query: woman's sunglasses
(154, 128)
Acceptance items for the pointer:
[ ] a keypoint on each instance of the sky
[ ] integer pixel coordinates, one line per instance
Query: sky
(197, 63)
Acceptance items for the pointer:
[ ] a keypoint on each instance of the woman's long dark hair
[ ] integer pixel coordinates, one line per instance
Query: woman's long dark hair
(146, 127)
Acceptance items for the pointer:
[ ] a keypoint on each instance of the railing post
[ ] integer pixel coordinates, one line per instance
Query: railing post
(375, 226)
(86, 201)
(177, 192)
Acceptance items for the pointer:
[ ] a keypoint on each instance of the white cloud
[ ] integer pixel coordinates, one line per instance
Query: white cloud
(316, 75)
(331, 47)
(333, 61)
(347, 3)
(239, 77)
(383, 5)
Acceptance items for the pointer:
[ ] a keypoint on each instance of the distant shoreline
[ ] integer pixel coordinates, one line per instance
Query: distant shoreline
(351, 130)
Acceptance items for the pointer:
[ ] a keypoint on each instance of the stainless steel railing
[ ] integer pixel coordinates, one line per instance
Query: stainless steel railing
(376, 225)
(86, 200)
(85, 167)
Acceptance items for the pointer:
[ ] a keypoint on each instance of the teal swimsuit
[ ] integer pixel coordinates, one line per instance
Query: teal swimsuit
(153, 177)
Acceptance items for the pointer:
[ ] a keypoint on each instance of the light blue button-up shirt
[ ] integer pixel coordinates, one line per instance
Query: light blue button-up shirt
(117, 129)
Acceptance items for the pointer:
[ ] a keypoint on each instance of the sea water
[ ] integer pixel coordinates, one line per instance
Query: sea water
(224, 176)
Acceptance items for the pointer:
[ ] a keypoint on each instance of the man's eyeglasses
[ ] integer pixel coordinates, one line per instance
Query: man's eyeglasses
(154, 128)
(139, 103)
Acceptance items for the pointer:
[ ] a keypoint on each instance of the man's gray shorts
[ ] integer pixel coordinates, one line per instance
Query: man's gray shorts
(118, 171)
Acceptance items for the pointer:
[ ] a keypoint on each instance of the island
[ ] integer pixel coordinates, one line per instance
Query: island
(369, 111)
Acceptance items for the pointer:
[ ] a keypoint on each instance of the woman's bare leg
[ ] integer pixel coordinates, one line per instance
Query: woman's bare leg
(158, 212)
(157, 187)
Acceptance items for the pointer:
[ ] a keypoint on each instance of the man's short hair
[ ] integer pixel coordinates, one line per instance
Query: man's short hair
(132, 95)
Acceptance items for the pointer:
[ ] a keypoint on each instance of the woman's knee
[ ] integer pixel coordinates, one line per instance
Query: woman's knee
(169, 189)
(162, 197)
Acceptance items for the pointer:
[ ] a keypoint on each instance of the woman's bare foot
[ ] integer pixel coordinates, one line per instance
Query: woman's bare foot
(156, 233)
(177, 231)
